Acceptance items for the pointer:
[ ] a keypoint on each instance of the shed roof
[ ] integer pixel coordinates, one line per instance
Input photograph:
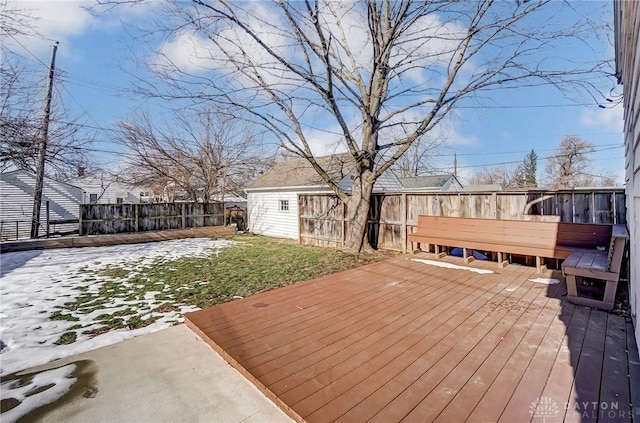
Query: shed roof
(300, 172)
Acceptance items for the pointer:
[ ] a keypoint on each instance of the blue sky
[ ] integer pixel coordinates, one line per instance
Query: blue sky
(95, 65)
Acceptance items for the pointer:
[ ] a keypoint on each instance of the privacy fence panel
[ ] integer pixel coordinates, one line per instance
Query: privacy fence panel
(321, 220)
(323, 217)
(98, 219)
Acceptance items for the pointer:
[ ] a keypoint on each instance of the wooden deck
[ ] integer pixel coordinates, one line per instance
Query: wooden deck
(401, 340)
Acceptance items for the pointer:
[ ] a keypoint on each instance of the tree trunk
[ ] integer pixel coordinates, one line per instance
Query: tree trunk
(358, 213)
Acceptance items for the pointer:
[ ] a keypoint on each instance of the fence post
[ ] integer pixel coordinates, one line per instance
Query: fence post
(17, 228)
(184, 216)
(47, 207)
(136, 211)
(403, 231)
(344, 223)
(80, 221)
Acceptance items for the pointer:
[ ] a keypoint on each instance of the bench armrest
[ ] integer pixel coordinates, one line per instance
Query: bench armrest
(620, 231)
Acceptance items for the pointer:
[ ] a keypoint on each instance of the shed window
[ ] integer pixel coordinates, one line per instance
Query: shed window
(284, 205)
(93, 198)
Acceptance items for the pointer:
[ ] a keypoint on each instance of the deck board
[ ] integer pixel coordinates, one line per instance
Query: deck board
(400, 340)
(615, 368)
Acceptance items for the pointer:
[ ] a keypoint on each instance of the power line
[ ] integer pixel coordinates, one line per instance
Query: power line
(614, 145)
(533, 106)
(29, 51)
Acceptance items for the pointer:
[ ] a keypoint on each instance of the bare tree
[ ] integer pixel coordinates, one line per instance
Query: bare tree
(571, 166)
(505, 176)
(362, 69)
(14, 20)
(418, 159)
(202, 154)
(21, 98)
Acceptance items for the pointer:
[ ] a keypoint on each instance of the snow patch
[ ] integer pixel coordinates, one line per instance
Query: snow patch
(453, 266)
(35, 284)
(546, 281)
(44, 388)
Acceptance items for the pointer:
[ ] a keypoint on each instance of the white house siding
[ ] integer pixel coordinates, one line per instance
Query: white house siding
(627, 20)
(107, 190)
(110, 194)
(16, 204)
(265, 216)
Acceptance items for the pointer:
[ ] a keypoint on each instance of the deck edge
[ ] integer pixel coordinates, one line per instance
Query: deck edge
(244, 372)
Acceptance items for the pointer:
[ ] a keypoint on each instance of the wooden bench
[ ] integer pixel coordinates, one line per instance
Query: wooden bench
(530, 238)
(588, 250)
(602, 264)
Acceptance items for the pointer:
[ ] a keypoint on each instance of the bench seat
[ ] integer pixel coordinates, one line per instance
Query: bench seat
(604, 265)
(530, 238)
(591, 264)
(582, 247)
(523, 248)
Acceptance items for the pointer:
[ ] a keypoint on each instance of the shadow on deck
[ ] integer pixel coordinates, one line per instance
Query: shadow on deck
(404, 340)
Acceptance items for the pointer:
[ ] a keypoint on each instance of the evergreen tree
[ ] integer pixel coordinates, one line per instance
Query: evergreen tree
(527, 170)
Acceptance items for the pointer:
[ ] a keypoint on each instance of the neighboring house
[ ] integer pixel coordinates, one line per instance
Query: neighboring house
(272, 200)
(103, 187)
(17, 190)
(627, 32)
(232, 199)
(432, 183)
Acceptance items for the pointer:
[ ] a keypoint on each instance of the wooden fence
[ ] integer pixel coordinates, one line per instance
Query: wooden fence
(122, 218)
(322, 219)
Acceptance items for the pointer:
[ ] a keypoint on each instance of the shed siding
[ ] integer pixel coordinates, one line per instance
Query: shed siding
(627, 19)
(16, 204)
(265, 216)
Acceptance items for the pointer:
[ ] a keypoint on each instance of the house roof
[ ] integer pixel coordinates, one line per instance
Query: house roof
(5, 176)
(422, 182)
(300, 172)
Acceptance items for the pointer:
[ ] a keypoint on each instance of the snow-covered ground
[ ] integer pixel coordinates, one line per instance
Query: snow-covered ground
(35, 284)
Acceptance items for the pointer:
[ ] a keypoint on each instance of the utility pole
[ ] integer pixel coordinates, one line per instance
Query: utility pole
(42, 148)
(455, 164)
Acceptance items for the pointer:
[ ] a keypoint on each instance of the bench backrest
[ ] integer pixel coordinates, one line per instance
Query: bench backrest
(517, 232)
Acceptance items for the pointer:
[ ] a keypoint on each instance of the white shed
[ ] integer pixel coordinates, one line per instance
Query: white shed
(272, 200)
(16, 204)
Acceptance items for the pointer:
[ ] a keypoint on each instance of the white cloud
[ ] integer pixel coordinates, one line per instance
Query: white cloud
(188, 52)
(609, 119)
(197, 52)
(51, 20)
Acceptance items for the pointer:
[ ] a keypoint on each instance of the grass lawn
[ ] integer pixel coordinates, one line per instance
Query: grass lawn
(254, 264)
